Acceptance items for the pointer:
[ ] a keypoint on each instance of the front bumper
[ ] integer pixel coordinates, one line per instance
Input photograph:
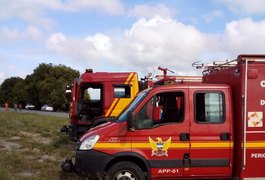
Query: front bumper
(91, 163)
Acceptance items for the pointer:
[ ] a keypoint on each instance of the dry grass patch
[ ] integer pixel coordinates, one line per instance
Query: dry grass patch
(32, 148)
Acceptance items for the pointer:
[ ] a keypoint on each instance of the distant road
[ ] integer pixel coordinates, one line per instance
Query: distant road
(56, 114)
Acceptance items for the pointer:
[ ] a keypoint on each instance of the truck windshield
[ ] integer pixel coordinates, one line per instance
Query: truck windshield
(132, 106)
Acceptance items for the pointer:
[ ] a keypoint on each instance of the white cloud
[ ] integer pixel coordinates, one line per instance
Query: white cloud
(100, 42)
(91, 49)
(12, 35)
(166, 42)
(146, 45)
(29, 11)
(151, 11)
(245, 6)
(56, 42)
(244, 36)
(114, 7)
(32, 11)
(7, 34)
(159, 41)
(34, 33)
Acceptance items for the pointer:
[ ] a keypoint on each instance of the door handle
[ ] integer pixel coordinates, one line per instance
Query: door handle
(184, 136)
(186, 160)
(225, 136)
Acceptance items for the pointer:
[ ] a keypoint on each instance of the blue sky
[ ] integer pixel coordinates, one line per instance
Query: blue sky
(132, 35)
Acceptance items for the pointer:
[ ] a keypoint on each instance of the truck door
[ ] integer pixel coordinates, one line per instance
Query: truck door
(210, 133)
(162, 132)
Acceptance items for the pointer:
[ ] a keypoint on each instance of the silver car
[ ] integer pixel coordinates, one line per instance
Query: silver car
(29, 107)
(46, 108)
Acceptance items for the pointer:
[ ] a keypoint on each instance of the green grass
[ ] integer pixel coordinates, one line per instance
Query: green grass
(3, 174)
(32, 148)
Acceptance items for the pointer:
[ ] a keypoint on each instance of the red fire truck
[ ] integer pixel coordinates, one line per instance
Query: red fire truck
(98, 94)
(185, 128)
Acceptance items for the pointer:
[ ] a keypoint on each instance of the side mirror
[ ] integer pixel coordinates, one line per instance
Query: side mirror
(130, 121)
(68, 93)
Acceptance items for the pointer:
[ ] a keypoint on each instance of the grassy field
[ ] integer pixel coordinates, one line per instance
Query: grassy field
(32, 148)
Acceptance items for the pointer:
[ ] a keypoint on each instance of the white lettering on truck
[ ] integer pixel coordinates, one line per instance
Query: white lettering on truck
(262, 83)
(262, 102)
(257, 155)
(168, 171)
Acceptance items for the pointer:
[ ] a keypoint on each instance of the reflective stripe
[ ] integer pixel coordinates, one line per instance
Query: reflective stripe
(256, 144)
(203, 145)
(112, 145)
(192, 145)
(129, 79)
(120, 145)
(112, 106)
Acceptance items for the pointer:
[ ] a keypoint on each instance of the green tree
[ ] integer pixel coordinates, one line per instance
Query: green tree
(47, 85)
(12, 91)
(19, 93)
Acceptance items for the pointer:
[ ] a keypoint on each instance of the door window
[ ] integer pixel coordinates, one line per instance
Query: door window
(122, 91)
(209, 107)
(92, 94)
(162, 108)
(91, 101)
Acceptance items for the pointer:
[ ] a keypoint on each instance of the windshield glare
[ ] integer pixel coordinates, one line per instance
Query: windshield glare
(132, 106)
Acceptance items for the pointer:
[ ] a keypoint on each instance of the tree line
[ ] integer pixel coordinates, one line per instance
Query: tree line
(46, 85)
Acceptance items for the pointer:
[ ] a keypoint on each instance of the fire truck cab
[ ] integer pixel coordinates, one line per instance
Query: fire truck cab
(98, 94)
(186, 128)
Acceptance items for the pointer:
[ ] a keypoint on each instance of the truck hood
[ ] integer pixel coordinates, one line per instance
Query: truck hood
(111, 129)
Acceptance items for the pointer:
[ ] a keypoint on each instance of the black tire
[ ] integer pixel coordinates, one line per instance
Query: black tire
(125, 171)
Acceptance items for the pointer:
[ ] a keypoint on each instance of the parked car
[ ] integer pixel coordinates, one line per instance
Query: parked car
(29, 107)
(46, 108)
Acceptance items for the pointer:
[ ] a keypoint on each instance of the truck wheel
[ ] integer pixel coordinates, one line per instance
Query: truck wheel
(125, 171)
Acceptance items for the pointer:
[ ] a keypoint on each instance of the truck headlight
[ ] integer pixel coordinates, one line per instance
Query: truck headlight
(89, 143)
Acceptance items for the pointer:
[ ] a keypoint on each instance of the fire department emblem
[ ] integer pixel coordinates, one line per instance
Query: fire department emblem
(159, 147)
(255, 119)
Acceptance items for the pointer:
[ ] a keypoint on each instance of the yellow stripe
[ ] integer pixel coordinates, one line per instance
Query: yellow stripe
(141, 145)
(112, 145)
(136, 145)
(211, 145)
(179, 145)
(111, 106)
(128, 79)
(255, 144)
(194, 145)
(172, 145)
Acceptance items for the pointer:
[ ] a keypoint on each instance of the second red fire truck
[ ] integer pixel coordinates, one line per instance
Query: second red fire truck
(99, 94)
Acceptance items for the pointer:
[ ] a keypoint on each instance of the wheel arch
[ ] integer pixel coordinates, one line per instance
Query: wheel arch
(135, 158)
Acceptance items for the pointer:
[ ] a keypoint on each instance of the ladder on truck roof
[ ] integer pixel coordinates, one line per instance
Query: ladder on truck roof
(216, 66)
